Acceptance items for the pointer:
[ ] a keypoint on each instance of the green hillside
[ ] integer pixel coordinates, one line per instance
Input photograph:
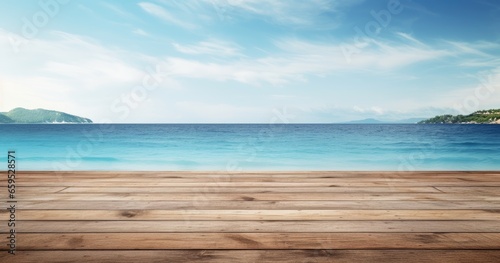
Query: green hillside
(21, 115)
(478, 117)
(5, 119)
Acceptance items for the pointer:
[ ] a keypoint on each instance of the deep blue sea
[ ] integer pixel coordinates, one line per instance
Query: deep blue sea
(244, 147)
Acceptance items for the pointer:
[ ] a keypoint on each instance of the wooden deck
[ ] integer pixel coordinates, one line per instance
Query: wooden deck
(255, 217)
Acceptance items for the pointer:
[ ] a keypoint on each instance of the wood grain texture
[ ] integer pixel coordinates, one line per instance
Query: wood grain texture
(278, 216)
(73, 226)
(207, 190)
(200, 204)
(289, 215)
(242, 256)
(110, 241)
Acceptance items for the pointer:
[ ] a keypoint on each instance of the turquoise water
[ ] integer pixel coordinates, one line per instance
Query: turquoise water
(233, 147)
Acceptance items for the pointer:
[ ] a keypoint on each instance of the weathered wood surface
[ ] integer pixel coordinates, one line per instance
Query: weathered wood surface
(255, 217)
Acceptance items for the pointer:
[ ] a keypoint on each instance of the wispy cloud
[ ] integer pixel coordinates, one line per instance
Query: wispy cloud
(298, 58)
(217, 112)
(373, 110)
(213, 47)
(85, 84)
(475, 54)
(222, 60)
(408, 37)
(117, 10)
(485, 63)
(483, 94)
(140, 32)
(469, 48)
(85, 9)
(302, 13)
(165, 15)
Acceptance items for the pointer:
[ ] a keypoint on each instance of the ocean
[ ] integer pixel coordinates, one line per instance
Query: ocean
(247, 147)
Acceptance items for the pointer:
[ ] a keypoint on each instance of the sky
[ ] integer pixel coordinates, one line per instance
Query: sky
(250, 61)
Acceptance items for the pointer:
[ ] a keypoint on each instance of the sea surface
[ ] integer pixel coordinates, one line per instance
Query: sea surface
(244, 147)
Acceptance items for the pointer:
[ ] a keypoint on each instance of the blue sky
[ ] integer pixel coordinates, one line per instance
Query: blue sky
(248, 61)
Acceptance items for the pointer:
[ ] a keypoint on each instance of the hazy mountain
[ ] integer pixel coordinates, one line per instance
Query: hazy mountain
(21, 115)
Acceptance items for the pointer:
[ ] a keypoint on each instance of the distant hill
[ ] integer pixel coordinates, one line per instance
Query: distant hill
(478, 117)
(5, 119)
(21, 115)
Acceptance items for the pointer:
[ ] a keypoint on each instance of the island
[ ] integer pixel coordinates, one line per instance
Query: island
(39, 116)
(479, 117)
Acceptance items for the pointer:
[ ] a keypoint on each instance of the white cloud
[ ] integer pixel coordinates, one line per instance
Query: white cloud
(477, 62)
(475, 54)
(472, 48)
(296, 60)
(302, 13)
(393, 56)
(410, 38)
(252, 72)
(79, 75)
(483, 95)
(70, 73)
(377, 55)
(218, 112)
(118, 10)
(165, 15)
(370, 110)
(140, 32)
(212, 47)
(109, 71)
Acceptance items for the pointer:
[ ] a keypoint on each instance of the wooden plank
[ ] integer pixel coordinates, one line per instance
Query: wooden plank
(101, 241)
(243, 256)
(301, 184)
(200, 204)
(312, 196)
(110, 216)
(202, 190)
(22, 179)
(374, 189)
(254, 215)
(41, 189)
(256, 226)
(467, 190)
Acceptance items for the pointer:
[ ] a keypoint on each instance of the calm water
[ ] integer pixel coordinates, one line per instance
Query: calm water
(231, 147)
